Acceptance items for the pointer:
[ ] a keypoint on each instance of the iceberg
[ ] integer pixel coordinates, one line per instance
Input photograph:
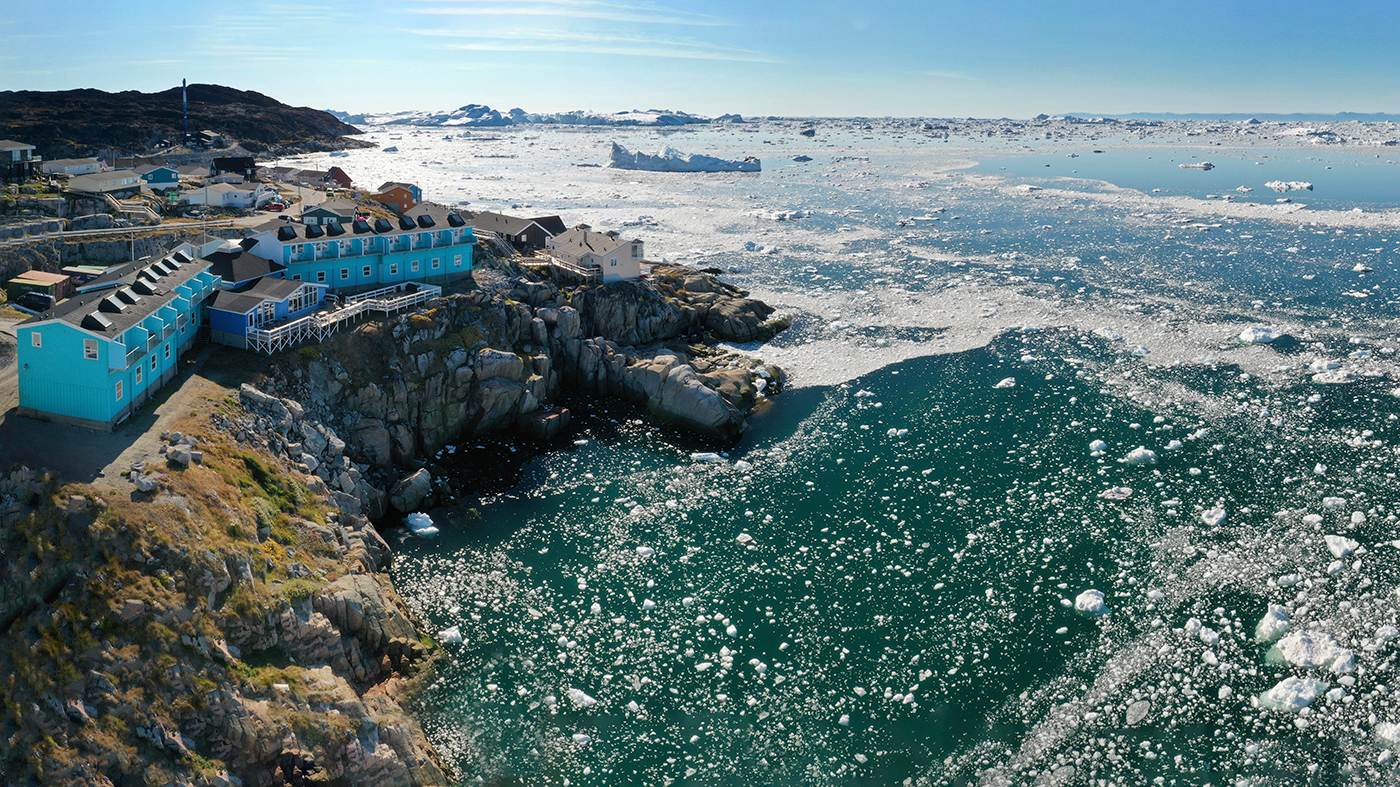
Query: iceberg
(672, 160)
(421, 525)
(1282, 186)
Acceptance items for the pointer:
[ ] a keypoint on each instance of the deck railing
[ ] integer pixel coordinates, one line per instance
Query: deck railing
(321, 324)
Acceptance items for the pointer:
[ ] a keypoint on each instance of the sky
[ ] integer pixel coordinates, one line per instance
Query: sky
(872, 58)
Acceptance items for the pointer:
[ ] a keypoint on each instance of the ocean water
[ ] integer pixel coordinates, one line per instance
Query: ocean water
(878, 585)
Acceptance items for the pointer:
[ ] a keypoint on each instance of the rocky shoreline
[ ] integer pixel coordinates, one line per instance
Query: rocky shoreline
(228, 619)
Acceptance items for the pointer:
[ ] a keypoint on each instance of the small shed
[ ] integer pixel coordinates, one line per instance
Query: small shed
(58, 285)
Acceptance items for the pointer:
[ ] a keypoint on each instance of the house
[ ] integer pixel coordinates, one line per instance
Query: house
(238, 165)
(522, 233)
(277, 174)
(398, 196)
(311, 178)
(193, 171)
(118, 183)
(71, 166)
(552, 224)
(209, 139)
(237, 267)
(97, 356)
(339, 177)
(369, 253)
(262, 303)
(333, 211)
(159, 176)
(55, 285)
(17, 161)
(596, 255)
(227, 195)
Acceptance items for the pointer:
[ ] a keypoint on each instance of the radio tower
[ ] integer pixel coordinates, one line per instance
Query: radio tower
(185, 101)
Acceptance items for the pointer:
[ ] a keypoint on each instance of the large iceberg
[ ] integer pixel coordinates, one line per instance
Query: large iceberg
(672, 160)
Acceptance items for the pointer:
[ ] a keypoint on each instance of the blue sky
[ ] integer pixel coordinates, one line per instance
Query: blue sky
(935, 58)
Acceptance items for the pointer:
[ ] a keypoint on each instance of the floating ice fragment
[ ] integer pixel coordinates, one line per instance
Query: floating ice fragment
(1174, 445)
(1259, 335)
(1009, 382)
(862, 759)
(706, 456)
(1116, 493)
(581, 738)
(421, 525)
(743, 466)
(596, 608)
(1292, 694)
(1340, 546)
(645, 551)
(1275, 623)
(450, 636)
(580, 699)
(1306, 649)
(1140, 456)
(1334, 377)
(1333, 503)
(1225, 692)
(744, 539)
(1091, 602)
(1109, 334)
(648, 604)
(1213, 516)
(688, 601)
(1282, 186)
(1388, 734)
(1137, 712)
(845, 720)
(1320, 469)
(1097, 448)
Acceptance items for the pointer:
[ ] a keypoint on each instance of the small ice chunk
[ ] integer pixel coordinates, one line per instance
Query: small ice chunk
(1097, 448)
(1358, 518)
(1137, 712)
(845, 720)
(1275, 623)
(1139, 457)
(1320, 469)
(1388, 734)
(1258, 335)
(648, 605)
(421, 525)
(706, 456)
(1306, 649)
(1288, 580)
(1292, 694)
(450, 636)
(1009, 382)
(744, 539)
(1334, 503)
(743, 466)
(1116, 493)
(645, 551)
(1174, 445)
(581, 738)
(1225, 692)
(1091, 602)
(1213, 516)
(580, 699)
(1340, 546)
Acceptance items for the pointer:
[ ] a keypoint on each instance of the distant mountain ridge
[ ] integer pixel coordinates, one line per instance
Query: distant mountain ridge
(1296, 117)
(480, 115)
(67, 123)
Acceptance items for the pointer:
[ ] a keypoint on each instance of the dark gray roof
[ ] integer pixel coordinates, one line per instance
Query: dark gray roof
(551, 224)
(499, 222)
(439, 214)
(295, 231)
(238, 267)
(392, 184)
(136, 290)
(250, 297)
(10, 144)
(339, 207)
(236, 302)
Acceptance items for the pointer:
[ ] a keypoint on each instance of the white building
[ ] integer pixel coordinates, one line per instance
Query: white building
(596, 255)
(227, 195)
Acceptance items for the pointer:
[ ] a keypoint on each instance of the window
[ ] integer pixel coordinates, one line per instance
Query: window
(155, 360)
(89, 349)
(414, 266)
(167, 352)
(344, 274)
(296, 277)
(119, 390)
(393, 269)
(367, 273)
(36, 340)
(139, 367)
(321, 277)
(457, 261)
(436, 263)
(250, 318)
(612, 262)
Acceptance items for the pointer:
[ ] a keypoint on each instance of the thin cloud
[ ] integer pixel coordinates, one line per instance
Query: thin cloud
(950, 75)
(629, 51)
(574, 9)
(536, 40)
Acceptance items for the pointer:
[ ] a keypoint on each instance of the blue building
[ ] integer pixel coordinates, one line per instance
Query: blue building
(267, 301)
(95, 357)
(159, 176)
(434, 247)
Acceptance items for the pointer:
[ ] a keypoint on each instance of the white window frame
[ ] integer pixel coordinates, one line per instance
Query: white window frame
(393, 269)
(368, 272)
(119, 390)
(344, 274)
(167, 352)
(413, 266)
(437, 263)
(90, 351)
(36, 339)
(320, 277)
(457, 261)
(139, 368)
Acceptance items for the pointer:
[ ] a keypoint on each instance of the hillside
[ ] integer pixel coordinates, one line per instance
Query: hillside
(82, 122)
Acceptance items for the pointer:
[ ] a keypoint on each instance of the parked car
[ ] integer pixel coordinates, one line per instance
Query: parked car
(275, 206)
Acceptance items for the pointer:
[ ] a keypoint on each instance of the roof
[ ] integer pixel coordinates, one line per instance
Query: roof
(580, 242)
(193, 170)
(98, 181)
(146, 169)
(395, 185)
(136, 290)
(433, 218)
(339, 207)
(499, 222)
(437, 213)
(246, 299)
(236, 267)
(68, 162)
(551, 224)
(10, 144)
(47, 278)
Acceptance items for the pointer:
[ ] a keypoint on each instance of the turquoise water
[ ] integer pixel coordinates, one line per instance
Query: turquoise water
(877, 585)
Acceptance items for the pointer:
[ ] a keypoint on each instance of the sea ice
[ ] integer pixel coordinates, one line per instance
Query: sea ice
(1009, 382)
(706, 456)
(1213, 516)
(421, 525)
(1140, 456)
(580, 699)
(450, 636)
(1116, 493)
(744, 539)
(1333, 503)
(645, 551)
(1308, 649)
(1275, 623)
(1097, 448)
(1292, 694)
(1340, 546)
(1258, 335)
(672, 160)
(1091, 602)
(1282, 186)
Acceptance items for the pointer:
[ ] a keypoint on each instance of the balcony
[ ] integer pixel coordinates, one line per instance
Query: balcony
(135, 355)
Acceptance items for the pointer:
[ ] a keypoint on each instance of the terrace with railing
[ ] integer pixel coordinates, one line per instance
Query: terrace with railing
(323, 323)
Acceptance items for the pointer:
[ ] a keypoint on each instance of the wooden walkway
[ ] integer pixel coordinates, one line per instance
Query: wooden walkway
(318, 326)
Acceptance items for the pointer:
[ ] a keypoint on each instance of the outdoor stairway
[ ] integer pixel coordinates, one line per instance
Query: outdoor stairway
(318, 326)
